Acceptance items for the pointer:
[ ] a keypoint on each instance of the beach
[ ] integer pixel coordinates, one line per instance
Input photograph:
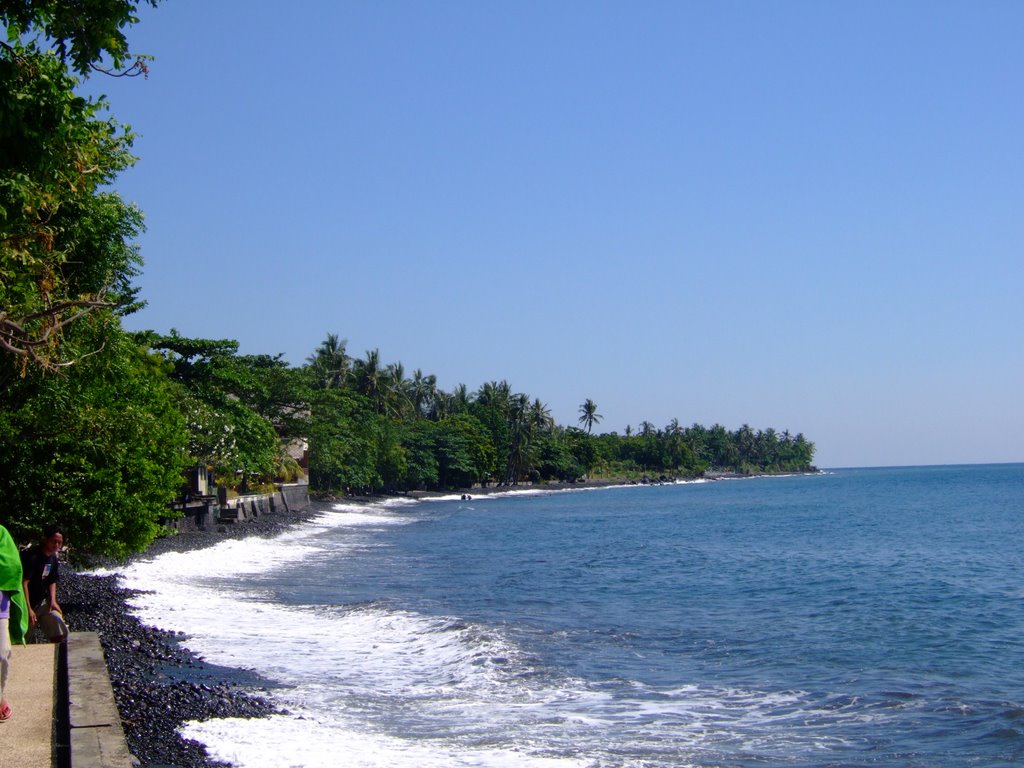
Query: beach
(158, 684)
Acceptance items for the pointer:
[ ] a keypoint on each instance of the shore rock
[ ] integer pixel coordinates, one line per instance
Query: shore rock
(159, 684)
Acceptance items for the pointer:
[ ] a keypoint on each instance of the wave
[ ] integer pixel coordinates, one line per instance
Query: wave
(373, 684)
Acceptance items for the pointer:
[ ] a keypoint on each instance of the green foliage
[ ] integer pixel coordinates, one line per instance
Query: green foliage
(556, 459)
(464, 453)
(329, 365)
(66, 247)
(239, 408)
(286, 467)
(382, 431)
(84, 31)
(392, 459)
(343, 433)
(421, 466)
(99, 449)
(589, 415)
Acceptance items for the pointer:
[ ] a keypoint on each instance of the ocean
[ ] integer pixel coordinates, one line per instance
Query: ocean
(861, 617)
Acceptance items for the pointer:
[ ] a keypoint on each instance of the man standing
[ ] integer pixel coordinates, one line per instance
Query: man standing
(41, 574)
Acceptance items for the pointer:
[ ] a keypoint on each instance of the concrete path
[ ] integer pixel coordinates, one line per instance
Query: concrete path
(26, 739)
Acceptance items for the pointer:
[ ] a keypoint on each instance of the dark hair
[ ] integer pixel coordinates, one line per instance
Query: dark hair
(52, 530)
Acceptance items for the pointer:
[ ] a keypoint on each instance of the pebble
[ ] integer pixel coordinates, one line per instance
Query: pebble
(159, 684)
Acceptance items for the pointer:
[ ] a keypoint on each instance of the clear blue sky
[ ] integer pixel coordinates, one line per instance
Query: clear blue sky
(800, 215)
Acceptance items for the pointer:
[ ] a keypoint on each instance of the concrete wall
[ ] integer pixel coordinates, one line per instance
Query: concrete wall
(86, 706)
(289, 498)
(202, 513)
(294, 496)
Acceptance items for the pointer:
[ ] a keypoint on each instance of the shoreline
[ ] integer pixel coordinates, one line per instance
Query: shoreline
(159, 684)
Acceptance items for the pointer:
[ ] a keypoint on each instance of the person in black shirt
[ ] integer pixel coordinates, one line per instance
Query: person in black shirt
(41, 571)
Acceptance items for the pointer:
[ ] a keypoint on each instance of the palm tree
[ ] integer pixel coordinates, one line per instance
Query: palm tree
(494, 393)
(330, 363)
(540, 415)
(397, 390)
(423, 391)
(521, 425)
(455, 402)
(589, 415)
(370, 378)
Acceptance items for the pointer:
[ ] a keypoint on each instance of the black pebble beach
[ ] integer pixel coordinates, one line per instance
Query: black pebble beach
(158, 684)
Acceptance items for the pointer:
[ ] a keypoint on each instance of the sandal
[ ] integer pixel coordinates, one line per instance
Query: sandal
(5, 712)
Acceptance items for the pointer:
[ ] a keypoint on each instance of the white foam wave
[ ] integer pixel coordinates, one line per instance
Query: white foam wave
(542, 491)
(285, 741)
(368, 685)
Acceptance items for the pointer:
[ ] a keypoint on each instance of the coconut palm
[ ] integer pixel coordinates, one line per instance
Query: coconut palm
(330, 363)
(589, 415)
(397, 390)
(452, 403)
(370, 378)
(520, 422)
(494, 394)
(423, 391)
(540, 416)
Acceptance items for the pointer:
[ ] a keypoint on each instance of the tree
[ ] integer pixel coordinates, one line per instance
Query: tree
(465, 454)
(421, 461)
(231, 403)
(86, 31)
(540, 416)
(424, 394)
(100, 449)
(66, 249)
(492, 406)
(554, 459)
(589, 415)
(520, 422)
(371, 379)
(330, 363)
(398, 400)
(343, 440)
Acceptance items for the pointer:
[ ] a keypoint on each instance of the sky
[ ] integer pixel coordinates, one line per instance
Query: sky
(798, 215)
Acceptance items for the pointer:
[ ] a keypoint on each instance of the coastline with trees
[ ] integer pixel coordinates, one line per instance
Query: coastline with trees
(102, 445)
(98, 424)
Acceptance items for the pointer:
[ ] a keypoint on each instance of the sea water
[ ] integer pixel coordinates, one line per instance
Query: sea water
(859, 617)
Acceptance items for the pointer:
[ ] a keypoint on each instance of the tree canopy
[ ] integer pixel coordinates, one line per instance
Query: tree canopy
(66, 241)
(100, 448)
(374, 429)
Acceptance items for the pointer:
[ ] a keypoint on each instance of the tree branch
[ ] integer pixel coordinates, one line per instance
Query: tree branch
(30, 344)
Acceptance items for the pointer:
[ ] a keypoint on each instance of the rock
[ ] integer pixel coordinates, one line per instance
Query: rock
(158, 684)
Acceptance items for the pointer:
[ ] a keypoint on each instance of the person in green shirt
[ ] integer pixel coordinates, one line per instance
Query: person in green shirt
(13, 612)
